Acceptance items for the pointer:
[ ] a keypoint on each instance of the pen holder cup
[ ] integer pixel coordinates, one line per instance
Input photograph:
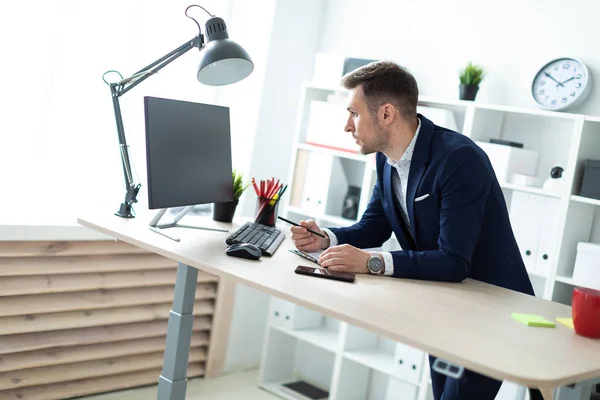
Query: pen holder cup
(266, 211)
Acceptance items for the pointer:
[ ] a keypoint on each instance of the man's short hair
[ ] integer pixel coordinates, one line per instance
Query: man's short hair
(385, 82)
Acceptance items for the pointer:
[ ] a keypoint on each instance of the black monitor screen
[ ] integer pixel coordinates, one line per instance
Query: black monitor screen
(188, 153)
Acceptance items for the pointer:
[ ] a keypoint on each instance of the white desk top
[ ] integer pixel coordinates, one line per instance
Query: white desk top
(468, 324)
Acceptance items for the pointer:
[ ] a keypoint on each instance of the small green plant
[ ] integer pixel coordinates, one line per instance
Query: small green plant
(238, 185)
(472, 75)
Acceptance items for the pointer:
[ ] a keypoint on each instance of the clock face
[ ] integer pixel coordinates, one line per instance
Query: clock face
(560, 84)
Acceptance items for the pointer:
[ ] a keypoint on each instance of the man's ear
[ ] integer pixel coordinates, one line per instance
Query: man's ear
(387, 113)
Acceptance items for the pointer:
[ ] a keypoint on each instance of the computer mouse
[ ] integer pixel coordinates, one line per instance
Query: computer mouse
(244, 250)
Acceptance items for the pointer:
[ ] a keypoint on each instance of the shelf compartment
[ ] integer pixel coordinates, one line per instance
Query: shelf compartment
(325, 337)
(360, 382)
(551, 138)
(582, 225)
(586, 200)
(528, 189)
(570, 281)
(304, 324)
(395, 359)
(288, 359)
(378, 361)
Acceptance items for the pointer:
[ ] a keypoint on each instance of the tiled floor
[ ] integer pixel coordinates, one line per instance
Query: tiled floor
(236, 386)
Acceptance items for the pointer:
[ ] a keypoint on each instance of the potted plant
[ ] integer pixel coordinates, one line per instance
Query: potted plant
(470, 78)
(224, 211)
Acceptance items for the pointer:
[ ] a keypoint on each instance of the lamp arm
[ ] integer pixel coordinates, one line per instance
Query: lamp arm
(120, 88)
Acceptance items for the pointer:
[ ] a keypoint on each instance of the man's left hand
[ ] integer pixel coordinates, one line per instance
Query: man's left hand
(345, 258)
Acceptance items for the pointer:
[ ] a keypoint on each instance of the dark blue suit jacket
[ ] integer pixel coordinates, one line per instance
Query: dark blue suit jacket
(461, 230)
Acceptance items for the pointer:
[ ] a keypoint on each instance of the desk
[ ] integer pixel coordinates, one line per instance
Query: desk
(481, 335)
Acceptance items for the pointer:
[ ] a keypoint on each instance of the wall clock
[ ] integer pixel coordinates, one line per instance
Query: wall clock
(561, 84)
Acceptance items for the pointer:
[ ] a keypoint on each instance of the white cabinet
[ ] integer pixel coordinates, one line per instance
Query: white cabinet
(526, 214)
(316, 182)
(397, 389)
(409, 362)
(508, 161)
(548, 244)
(535, 225)
(353, 363)
(291, 316)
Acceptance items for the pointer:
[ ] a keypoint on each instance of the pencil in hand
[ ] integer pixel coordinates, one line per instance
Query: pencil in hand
(295, 224)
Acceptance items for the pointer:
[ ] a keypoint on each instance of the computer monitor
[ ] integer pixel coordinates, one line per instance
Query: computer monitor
(188, 155)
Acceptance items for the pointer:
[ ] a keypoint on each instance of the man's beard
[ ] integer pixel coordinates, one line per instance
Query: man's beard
(379, 142)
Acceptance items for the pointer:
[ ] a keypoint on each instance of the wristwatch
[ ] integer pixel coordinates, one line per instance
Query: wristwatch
(376, 265)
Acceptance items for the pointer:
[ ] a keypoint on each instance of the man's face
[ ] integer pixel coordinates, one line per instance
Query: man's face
(364, 126)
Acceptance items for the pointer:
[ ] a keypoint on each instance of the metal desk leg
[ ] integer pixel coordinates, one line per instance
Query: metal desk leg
(173, 381)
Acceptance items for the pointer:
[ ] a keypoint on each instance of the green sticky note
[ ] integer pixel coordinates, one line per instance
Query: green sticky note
(533, 320)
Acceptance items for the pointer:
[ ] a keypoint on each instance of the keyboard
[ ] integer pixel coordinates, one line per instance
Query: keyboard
(265, 237)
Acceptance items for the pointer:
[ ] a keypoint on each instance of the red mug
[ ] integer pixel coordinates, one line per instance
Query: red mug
(586, 312)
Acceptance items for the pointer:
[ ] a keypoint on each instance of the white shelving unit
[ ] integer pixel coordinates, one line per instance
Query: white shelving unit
(548, 224)
(345, 361)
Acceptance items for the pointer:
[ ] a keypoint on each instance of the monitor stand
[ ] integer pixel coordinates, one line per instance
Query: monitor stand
(155, 227)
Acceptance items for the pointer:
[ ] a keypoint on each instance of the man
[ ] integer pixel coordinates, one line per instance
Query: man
(436, 191)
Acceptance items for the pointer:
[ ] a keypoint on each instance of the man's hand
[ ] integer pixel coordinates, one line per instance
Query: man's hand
(306, 241)
(345, 258)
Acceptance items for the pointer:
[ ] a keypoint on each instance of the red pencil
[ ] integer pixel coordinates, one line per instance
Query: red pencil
(255, 187)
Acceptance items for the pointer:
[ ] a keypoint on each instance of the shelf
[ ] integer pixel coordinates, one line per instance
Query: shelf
(528, 189)
(585, 200)
(320, 86)
(592, 118)
(323, 217)
(533, 273)
(324, 338)
(379, 361)
(426, 100)
(332, 151)
(276, 389)
(464, 103)
(570, 281)
(526, 111)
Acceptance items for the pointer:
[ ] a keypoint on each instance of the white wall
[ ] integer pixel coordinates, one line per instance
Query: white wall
(294, 42)
(59, 150)
(434, 39)
(247, 331)
(266, 109)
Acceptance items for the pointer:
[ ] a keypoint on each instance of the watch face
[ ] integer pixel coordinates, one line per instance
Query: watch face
(375, 264)
(560, 84)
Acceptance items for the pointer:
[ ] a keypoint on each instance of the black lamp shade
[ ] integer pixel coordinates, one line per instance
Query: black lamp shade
(222, 61)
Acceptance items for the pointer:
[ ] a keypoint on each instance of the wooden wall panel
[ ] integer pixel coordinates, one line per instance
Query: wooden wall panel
(25, 266)
(88, 369)
(90, 386)
(52, 249)
(82, 319)
(94, 299)
(66, 355)
(40, 284)
(75, 337)
(79, 318)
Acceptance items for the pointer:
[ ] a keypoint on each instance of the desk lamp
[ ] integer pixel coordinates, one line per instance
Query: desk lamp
(222, 62)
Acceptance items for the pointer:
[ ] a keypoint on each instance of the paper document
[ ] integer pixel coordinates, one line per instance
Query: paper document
(314, 255)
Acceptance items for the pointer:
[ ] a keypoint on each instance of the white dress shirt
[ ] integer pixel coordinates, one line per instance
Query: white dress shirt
(399, 184)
